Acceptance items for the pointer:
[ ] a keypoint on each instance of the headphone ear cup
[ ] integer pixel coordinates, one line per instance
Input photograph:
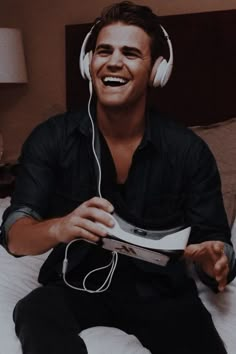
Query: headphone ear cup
(166, 74)
(161, 73)
(155, 70)
(158, 72)
(86, 66)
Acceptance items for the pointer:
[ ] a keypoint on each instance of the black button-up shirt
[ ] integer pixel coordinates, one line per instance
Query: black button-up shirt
(173, 179)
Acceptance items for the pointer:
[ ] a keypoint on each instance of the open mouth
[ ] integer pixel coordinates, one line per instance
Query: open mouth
(114, 81)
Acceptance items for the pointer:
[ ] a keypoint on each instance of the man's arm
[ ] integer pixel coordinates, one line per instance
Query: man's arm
(210, 246)
(26, 227)
(28, 236)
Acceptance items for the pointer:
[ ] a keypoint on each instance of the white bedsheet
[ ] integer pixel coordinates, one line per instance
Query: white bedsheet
(18, 276)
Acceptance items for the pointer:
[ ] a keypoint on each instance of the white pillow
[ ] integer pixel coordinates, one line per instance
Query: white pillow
(4, 202)
(116, 342)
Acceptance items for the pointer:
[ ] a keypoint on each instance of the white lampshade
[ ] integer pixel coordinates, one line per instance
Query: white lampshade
(12, 60)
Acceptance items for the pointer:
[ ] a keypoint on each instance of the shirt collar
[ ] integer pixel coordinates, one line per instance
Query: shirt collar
(81, 121)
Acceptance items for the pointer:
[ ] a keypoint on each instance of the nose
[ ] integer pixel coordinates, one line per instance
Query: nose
(115, 59)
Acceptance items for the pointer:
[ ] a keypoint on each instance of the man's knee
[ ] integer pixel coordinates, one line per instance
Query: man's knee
(32, 307)
(26, 309)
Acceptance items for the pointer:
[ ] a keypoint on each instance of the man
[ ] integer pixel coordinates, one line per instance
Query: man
(155, 174)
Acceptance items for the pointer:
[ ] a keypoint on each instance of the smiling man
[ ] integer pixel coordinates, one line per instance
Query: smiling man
(152, 172)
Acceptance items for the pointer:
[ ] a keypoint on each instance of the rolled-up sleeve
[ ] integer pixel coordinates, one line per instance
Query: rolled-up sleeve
(35, 179)
(12, 217)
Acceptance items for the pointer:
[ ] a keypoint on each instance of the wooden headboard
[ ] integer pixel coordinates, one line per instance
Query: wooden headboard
(203, 83)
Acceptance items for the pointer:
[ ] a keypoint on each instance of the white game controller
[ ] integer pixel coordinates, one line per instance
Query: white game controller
(168, 240)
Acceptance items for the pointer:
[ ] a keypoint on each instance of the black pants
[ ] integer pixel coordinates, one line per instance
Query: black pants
(49, 319)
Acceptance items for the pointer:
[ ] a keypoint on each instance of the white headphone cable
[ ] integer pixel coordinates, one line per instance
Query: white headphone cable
(107, 281)
(93, 139)
(114, 260)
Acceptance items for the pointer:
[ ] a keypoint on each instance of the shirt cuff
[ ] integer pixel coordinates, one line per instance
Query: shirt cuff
(12, 218)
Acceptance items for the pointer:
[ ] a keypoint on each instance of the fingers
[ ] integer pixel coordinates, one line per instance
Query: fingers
(73, 226)
(88, 229)
(218, 247)
(210, 256)
(222, 279)
(192, 252)
(96, 209)
(97, 215)
(221, 271)
(205, 251)
(85, 221)
(221, 267)
(88, 235)
(99, 203)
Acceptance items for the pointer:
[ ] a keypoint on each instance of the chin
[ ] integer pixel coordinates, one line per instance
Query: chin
(112, 106)
(111, 102)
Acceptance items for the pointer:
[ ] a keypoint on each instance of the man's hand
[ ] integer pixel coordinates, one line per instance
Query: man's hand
(81, 222)
(210, 256)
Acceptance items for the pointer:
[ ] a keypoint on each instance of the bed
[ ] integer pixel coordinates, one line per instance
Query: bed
(200, 94)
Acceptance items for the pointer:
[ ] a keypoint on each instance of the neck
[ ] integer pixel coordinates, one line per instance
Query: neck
(121, 124)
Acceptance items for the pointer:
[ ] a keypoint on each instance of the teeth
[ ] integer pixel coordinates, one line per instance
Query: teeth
(114, 79)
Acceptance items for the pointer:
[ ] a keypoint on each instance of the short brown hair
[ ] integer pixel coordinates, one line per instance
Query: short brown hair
(129, 13)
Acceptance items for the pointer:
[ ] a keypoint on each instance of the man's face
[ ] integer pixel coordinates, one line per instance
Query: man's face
(121, 65)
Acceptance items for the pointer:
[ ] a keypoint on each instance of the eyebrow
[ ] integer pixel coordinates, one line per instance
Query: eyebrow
(103, 46)
(125, 48)
(132, 49)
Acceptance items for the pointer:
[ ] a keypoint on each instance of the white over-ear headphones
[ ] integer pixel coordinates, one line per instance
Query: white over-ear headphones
(85, 58)
(161, 70)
